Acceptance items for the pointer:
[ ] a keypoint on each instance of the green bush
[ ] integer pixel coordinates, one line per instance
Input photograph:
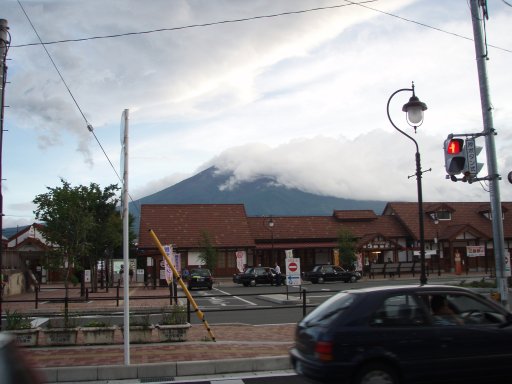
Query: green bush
(177, 314)
(16, 320)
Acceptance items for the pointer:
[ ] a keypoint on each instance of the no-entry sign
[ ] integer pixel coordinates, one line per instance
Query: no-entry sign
(293, 271)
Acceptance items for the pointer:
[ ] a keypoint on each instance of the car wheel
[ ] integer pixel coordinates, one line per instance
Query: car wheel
(246, 284)
(376, 373)
(353, 278)
(320, 280)
(253, 283)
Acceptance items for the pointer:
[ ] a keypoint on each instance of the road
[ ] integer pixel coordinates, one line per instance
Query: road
(255, 305)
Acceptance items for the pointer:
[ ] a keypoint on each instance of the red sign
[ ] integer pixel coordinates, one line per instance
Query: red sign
(455, 146)
(292, 267)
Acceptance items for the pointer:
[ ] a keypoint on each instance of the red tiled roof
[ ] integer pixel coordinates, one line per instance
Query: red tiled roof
(182, 224)
(463, 213)
(355, 215)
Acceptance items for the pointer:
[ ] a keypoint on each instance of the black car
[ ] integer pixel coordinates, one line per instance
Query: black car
(405, 334)
(326, 272)
(255, 275)
(200, 278)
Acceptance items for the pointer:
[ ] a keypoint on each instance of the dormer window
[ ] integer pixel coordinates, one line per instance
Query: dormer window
(443, 215)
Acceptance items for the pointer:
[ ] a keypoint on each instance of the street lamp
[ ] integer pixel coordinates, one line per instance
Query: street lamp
(270, 225)
(414, 115)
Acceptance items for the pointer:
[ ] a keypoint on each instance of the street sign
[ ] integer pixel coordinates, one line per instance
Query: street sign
(293, 271)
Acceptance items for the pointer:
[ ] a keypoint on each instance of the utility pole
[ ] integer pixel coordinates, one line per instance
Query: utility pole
(477, 17)
(3, 71)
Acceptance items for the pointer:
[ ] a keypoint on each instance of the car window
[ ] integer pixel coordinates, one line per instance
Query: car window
(328, 269)
(250, 270)
(461, 309)
(318, 268)
(338, 269)
(329, 308)
(402, 310)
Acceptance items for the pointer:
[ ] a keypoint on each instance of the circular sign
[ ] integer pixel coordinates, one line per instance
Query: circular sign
(510, 177)
(162, 264)
(292, 267)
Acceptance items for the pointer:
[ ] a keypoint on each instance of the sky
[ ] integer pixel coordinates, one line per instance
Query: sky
(295, 89)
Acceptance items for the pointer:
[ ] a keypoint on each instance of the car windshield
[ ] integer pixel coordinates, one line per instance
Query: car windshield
(200, 272)
(249, 270)
(317, 268)
(328, 308)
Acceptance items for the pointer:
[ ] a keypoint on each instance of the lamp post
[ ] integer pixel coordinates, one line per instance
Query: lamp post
(414, 115)
(270, 226)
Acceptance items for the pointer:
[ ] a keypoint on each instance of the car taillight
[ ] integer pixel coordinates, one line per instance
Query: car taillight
(323, 350)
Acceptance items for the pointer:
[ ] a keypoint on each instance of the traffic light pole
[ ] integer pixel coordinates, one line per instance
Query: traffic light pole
(492, 167)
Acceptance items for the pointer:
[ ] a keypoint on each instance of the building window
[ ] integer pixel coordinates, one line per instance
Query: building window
(443, 215)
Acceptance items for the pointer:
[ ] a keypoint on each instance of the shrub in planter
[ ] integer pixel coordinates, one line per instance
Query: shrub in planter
(98, 332)
(141, 330)
(21, 326)
(174, 326)
(61, 333)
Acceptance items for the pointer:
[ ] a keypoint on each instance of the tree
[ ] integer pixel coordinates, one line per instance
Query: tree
(347, 248)
(79, 224)
(208, 255)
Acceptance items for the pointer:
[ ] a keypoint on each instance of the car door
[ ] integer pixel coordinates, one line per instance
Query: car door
(400, 330)
(329, 273)
(477, 346)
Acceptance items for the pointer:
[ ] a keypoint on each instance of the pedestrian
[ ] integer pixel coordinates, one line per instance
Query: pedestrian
(277, 270)
(130, 272)
(121, 274)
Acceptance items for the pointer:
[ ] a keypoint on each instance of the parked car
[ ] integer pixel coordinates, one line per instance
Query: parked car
(397, 335)
(326, 272)
(255, 275)
(200, 278)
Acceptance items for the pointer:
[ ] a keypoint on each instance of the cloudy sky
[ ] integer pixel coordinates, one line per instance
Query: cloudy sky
(298, 95)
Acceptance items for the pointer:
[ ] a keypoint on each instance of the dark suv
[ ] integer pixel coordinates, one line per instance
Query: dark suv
(255, 275)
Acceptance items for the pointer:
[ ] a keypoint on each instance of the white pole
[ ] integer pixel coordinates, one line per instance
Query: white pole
(126, 248)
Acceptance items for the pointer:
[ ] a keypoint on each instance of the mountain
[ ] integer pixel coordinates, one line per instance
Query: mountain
(261, 197)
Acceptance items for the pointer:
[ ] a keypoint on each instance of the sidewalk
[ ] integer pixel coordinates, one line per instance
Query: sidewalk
(238, 347)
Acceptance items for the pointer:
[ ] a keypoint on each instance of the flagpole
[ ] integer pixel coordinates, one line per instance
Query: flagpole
(126, 248)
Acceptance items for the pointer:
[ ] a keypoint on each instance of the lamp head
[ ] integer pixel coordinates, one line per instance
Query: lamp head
(414, 110)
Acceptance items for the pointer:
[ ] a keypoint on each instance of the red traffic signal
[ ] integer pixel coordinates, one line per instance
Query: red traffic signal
(454, 146)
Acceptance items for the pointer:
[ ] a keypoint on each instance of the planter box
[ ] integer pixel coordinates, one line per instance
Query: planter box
(61, 336)
(140, 334)
(174, 332)
(26, 337)
(98, 335)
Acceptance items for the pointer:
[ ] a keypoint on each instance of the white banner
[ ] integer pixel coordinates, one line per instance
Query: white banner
(475, 250)
(167, 268)
(241, 260)
(288, 253)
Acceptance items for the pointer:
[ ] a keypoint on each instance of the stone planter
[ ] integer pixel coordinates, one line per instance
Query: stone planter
(140, 334)
(61, 336)
(26, 337)
(98, 335)
(173, 332)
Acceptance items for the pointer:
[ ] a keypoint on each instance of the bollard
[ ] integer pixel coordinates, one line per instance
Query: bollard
(37, 298)
(86, 294)
(117, 296)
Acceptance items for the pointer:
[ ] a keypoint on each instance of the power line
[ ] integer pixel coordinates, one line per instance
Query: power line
(196, 25)
(89, 126)
(350, 3)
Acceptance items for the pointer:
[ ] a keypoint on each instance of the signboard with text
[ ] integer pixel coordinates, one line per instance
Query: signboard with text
(293, 271)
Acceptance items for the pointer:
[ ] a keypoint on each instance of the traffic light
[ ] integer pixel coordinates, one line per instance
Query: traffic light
(454, 156)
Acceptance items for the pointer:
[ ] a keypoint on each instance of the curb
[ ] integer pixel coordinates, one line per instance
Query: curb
(165, 371)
